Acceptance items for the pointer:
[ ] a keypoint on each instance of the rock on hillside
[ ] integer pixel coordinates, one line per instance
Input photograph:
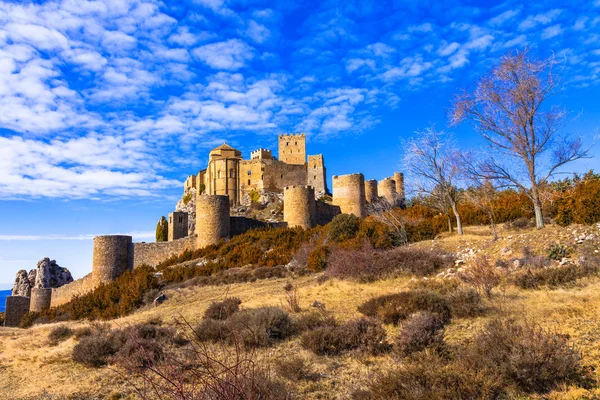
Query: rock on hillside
(47, 274)
(187, 203)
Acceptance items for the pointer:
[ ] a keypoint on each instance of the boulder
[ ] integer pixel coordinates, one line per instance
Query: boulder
(22, 286)
(159, 299)
(47, 274)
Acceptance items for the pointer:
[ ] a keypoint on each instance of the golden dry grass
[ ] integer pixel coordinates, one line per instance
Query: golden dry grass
(30, 366)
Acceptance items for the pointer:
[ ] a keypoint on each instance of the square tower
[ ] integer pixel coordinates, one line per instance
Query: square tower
(316, 174)
(292, 148)
(178, 225)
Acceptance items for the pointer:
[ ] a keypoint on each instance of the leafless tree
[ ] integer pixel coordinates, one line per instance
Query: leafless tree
(508, 109)
(384, 212)
(483, 195)
(433, 164)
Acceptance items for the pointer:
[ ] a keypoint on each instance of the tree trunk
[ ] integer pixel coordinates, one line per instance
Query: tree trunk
(458, 223)
(493, 225)
(539, 217)
(450, 229)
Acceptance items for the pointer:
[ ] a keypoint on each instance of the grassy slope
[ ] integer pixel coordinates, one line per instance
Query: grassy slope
(28, 365)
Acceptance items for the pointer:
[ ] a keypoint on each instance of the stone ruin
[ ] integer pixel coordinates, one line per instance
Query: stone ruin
(47, 274)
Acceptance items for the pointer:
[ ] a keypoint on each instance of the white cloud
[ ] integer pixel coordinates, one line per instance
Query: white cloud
(422, 28)
(257, 32)
(354, 64)
(504, 17)
(229, 55)
(580, 23)
(137, 235)
(551, 31)
(539, 19)
(447, 49)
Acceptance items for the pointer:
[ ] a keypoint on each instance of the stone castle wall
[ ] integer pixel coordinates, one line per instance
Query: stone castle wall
(113, 255)
(156, 252)
(326, 212)
(349, 194)
(292, 149)
(16, 308)
(400, 192)
(387, 190)
(371, 193)
(65, 293)
(178, 225)
(41, 299)
(299, 206)
(317, 173)
(212, 216)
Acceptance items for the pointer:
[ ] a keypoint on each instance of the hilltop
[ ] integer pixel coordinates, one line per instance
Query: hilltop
(568, 308)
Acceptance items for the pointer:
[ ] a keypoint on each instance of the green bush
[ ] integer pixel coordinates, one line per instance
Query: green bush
(393, 308)
(557, 252)
(187, 198)
(317, 258)
(162, 230)
(343, 227)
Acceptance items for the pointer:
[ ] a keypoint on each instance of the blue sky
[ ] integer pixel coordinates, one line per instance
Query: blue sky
(105, 108)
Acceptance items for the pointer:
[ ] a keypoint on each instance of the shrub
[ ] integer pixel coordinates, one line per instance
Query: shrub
(261, 327)
(393, 308)
(364, 334)
(557, 252)
(581, 203)
(29, 319)
(212, 330)
(82, 332)
(294, 368)
(317, 258)
(95, 350)
(59, 334)
(187, 198)
(533, 261)
(482, 275)
(343, 227)
(464, 301)
(313, 320)
(222, 310)
(292, 298)
(553, 276)
(367, 264)
(520, 223)
(420, 331)
(528, 356)
(162, 230)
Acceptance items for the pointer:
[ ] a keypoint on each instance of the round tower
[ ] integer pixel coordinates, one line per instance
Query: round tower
(371, 193)
(112, 257)
(349, 194)
(299, 207)
(399, 178)
(212, 219)
(40, 299)
(387, 190)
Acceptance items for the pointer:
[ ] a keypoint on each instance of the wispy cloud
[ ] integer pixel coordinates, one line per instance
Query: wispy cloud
(138, 235)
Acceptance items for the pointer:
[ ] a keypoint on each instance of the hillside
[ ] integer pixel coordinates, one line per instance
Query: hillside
(570, 309)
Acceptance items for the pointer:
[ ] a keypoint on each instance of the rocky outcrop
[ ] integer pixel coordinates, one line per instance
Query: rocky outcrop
(47, 274)
(187, 204)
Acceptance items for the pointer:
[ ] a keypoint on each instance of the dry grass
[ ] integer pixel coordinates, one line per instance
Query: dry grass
(573, 311)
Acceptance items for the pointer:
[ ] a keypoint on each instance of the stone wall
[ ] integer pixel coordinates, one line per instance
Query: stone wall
(299, 206)
(292, 149)
(400, 192)
(178, 225)
(349, 194)
(326, 212)
(113, 255)
(65, 293)
(41, 299)
(212, 220)
(387, 190)
(16, 308)
(157, 252)
(317, 175)
(371, 193)
(278, 175)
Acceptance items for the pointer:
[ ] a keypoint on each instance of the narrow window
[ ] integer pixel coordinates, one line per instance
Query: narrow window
(249, 172)
(287, 143)
(248, 182)
(315, 177)
(219, 174)
(281, 176)
(231, 173)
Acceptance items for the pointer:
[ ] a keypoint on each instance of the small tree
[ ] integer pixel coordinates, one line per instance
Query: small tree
(483, 196)
(507, 109)
(162, 230)
(433, 163)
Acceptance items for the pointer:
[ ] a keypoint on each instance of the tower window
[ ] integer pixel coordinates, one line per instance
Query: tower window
(231, 173)
(248, 182)
(249, 172)
(315, 177)
(281, 176)
(219, 173)
(287, 143)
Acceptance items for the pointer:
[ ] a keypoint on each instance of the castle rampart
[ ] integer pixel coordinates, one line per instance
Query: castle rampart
(41, 299)
(371, 193)
(113, 255)
(65, 293)
(349, 194)
(400, 193)
(16, 308)
(178, 225)
(212, 219)
(299, 206)
(387, 190)
(156, 252)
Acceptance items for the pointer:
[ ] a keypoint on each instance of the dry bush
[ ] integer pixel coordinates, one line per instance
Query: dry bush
(520, 223)
(222, 310)
(464, 300)
(292, 298)
(363, 334)
(531, 260)
(420, 331)
(294, 368)
(367, 264)
(318, 258)
(553, 277)
(213, 330)
(59, 334)
(95, 350)
(313, 320)
(393, 308)
(482, 275)
(528, 356)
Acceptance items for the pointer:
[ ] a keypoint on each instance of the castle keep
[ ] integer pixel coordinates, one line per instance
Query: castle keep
(227, 178)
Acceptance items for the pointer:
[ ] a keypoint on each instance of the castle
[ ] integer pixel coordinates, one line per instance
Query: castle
(219, 187)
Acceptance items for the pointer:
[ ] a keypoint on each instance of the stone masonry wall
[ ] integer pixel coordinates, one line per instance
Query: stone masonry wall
(292, 149)
(157, 252)
(65, 293)
(316, 173)
(326, 212)
(16, 308)
(371, 193)
(212, 219)
(41, 298)
(387, 190)
(299, 206)
(349, 194)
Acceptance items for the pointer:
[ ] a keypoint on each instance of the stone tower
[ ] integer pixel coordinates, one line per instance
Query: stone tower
(178, 225)
(316, 173)
(371, 193)
(387, 190)
(16, 308)
(349, 194)
(400, 193)
(40, 299)
(299, 208)
(212, 219)
(223, 172)
(292, 148)
(113, 255)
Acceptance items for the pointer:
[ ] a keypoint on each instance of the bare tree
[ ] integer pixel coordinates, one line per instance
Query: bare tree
(384, 212)
(483, 196)
(506, 108)
(434, 165)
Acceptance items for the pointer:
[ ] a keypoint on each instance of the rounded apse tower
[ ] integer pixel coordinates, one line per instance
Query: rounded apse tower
(112, 257)
(387, 190)
(371, 193)
(212, 219)
(40, 299)
(349, 194)
(299, 208)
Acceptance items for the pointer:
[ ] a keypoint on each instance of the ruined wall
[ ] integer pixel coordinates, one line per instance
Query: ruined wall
(156, 252)
(41, 298)
(325, 212)
(387, 190)
(16, 308)
(371, 193)
(316, 173)
(178, 225)
(212, 219)
(65, 293)
(113, 255)
(349, 194)
(292, 148)
(299, 206)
